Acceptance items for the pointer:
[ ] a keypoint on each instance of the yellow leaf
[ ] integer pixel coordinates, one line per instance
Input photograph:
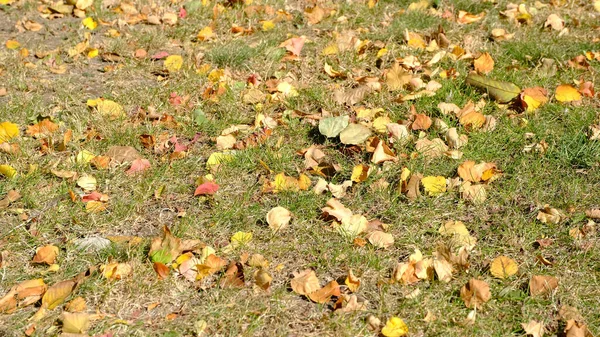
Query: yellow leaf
(95, 206)
(75, 322)
(396, 77)
(173, 63)
(353, 225)
(533, 98)
(241, 239)
(107, 107)
(434, 185)
(8, 131)
(5, 2)
(395, 327)
(331, 49)
(360, 173)
(206, 33)
(217, 158)
(92, 53)
(352, 281)
(503, 267)
(87, 183)
(382, 52)
(57, 294)
(84, 157)
(268, 25)
(8, 171)
(89, 23)
(566, 93)
(12, 44)
(459, 233)
(115, 270)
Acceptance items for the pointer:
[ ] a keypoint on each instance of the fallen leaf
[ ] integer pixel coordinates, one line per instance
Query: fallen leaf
(8, 131)
(421, 122)
(23, 294)
(263, 279)
(434, 185)
(324, 294)
(233, 277)
(166, 248)
(115, 270)
(75, 322)
(533, 98)
(555, 22)
(314, 15)
(466, 17)
(349, 303)
(57, 294)
(380, 239)
(395, 327)
(107, 107)
(44, 128)
(503, 92)
(278, 218)
(46, 254)
(86, 182)
(550, 215)
(360, 173)
(533, 328)
(305, 282)
(352, 282)
(542, 284)
(566, 93)
(206, 188)
(475, 293)
(458, 232)
(397, 78)
(484, 64)
(173, 63)
(89, 23)
(212, 264)
(353, 225)
(354, 134)
(503, 267)
(382, 153)
(331, 127)
(137, 166)
(8, 171)
(76, 305)
(336, 209)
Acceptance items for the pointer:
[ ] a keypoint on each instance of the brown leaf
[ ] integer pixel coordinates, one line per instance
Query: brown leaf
(115, 270)
(263, 279)
(211, 265)
(413, 187)
(349, 303)
(593, 213)
(122, 154)
(324, 294)
(23, 294)
(542, 284)
(314, 15)
(533, 328)
(234, 276)
(380, 239)
(46, 254)
(165, 249)
(475, 293)
(352, 282)
(421, 122)
(76, 305)
(305, 282)
(577, 329)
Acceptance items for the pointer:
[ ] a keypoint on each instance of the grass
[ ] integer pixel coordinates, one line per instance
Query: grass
(566, 176)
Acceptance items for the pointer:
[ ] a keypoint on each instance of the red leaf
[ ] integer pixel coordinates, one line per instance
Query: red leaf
(94, 196)
(182, 13)
(138, 165)
(207, 188)
(160, 55)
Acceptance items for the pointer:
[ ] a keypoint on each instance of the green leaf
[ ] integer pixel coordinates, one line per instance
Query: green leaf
(503, 92)
(199, 117)
(332, 126)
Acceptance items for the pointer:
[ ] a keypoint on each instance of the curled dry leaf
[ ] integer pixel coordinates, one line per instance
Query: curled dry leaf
(593, 213)
(278, 218)
(349, 303)
(212, 264)
(352, 226)
(555, 22)
(263, 279)
(305, 282)
(22, 294)
(382, 153)
(533, 328)
(115, 270)
(324, 294)
(336, 209)
(533, 98)
(550, 215)
(46, 254)
(352, 282)
(233, 277)
(542, 284)
(475, 293)
(443, 268)
(503, 267)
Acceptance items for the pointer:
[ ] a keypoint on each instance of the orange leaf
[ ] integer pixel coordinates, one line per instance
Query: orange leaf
(324, 294)
(484, 63)
(566, 93)
(44, 128)
(46, 254)
(305, 282)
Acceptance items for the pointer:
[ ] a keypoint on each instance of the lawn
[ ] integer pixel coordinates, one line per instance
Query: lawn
(299, 168)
